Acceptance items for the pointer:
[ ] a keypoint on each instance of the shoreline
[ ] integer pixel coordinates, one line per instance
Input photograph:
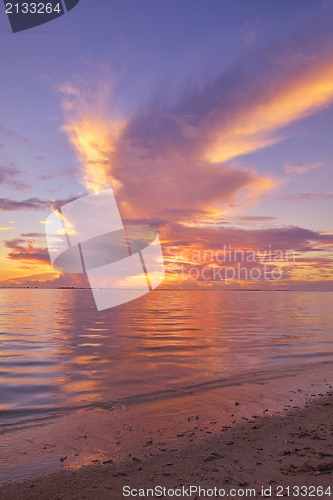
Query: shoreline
(295, 448)
(82, 438)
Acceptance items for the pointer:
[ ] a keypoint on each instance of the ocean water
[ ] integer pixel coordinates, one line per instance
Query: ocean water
(58, 354)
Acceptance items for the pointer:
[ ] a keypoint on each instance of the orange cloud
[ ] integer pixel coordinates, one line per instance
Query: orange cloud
(92, 133)
(256, 126)
(205, 257)
(167, 161)
(27, 255)
(26, 251)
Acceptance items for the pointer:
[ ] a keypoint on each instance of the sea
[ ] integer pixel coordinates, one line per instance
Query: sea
(175, 351)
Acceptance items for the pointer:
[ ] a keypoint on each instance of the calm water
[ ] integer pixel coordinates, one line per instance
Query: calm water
(58, 353)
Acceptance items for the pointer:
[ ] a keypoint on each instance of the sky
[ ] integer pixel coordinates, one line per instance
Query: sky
(211, 120)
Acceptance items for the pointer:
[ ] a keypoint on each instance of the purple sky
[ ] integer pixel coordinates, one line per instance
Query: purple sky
(210, 115)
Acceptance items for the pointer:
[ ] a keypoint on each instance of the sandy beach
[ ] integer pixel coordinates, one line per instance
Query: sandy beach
(276, 452)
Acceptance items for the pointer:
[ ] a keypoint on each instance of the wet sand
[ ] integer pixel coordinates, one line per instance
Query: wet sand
(149, 424)
(270, 451)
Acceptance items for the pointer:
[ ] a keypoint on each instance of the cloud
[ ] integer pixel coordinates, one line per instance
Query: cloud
(170, 161)
(66, 172)
(14, 136)
(152, 160)
(244, 108)
(299, 254)
(281, 102)
(253, 218)
(26, 251)
(33, 235)
(282, 238)
(91, 130)
(7, 170)
(10, 175)
(301, 169)
(8, 205)
(171, 157)
(304, 196)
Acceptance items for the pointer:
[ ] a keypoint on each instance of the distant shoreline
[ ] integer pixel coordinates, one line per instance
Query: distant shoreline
(165, 289)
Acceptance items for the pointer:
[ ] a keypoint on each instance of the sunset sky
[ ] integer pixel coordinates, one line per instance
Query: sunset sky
(212, 121)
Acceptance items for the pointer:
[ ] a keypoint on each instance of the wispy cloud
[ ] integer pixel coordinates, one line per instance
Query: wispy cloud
(259, 124)
(301, 169)
(10, 175)
(304, 196)
(8, 205)
(14, 136)
(34, 235)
